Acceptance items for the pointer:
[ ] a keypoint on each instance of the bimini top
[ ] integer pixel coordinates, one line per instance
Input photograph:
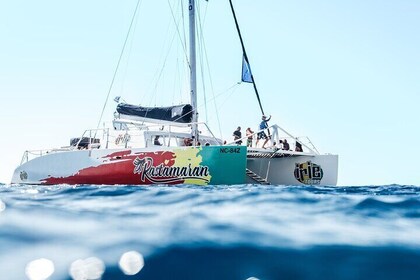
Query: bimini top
(179, 113)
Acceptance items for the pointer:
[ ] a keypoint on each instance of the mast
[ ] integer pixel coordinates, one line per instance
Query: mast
(193, 72)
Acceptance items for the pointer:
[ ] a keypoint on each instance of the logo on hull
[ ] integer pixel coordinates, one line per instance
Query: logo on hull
(308, 173)
(23, 175)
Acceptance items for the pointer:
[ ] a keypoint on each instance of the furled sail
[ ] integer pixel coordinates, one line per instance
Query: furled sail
(179, 113)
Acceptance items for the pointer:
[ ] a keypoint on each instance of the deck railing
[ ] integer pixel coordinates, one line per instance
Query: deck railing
(273, 133)
(103, 134)
(105, 137)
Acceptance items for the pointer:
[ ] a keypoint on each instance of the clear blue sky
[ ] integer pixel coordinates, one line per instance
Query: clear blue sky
(344, 73)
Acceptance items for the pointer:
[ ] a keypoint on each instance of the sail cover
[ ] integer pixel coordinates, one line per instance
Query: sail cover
(180, 113)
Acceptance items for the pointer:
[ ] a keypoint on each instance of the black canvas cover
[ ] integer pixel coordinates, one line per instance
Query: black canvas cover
(180, 113)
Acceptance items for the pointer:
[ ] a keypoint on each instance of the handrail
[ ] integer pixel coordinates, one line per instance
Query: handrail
(275, 127)
(142, 125)
(296, 139)
(90, 136)
(40, 153)
(246, 136)
(106, 131)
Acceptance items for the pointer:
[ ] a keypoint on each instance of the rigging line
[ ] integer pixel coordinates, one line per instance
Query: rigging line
(203, 51)
(245, 56)
(201, 40)
(212, 86)
(161, 70)
(232, 92)
(176, 76)
(221, 93)
(179, 34)
(185, 70)
(118, 64)
(228, 97)
(128, 57)
(153, 84)
(159, 73)
(183, 25)
(177, 82)
(205, 14)
(181, 72)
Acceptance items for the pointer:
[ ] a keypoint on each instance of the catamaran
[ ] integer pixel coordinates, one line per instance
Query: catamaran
(168, 145)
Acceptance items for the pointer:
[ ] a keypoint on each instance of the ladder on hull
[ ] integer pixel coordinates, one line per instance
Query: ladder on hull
(257, 178)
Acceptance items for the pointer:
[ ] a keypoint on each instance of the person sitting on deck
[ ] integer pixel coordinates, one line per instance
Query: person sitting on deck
(274, 146)
(298, 147)
(187, 142)
(156, 141)
(280, 145)
(286, 146)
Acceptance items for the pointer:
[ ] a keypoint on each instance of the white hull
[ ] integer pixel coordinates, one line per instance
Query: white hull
(139, 166)
(225, 165)
(295, 170)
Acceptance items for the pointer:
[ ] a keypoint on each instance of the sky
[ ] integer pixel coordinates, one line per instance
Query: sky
(344, 73)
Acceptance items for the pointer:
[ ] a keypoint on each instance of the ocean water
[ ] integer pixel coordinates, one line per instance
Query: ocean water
(214, 232)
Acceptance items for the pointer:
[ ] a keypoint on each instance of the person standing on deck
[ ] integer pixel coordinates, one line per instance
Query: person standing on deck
(237, 135)
(261, 134)
(249, 134)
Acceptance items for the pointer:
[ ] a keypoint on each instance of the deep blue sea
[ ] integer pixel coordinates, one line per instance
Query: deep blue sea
(215, 232)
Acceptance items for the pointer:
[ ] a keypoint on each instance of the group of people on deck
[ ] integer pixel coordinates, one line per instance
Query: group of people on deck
(237, 134)
(283, 144)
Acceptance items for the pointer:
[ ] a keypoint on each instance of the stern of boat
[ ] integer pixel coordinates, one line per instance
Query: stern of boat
(292, 169)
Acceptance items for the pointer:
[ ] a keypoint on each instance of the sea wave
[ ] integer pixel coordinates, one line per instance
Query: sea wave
(314, 263)
(230, 232)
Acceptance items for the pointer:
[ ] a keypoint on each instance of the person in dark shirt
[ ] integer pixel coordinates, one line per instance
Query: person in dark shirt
(286, 146)
(156, 141)
(298, 147)
(188, 142)
(237, 134)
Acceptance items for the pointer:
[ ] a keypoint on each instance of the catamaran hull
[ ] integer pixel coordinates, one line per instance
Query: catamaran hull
(212, 165)
(186, 165)
(294, 170)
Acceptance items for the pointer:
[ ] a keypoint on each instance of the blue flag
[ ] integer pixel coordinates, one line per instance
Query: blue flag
(246, 71)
